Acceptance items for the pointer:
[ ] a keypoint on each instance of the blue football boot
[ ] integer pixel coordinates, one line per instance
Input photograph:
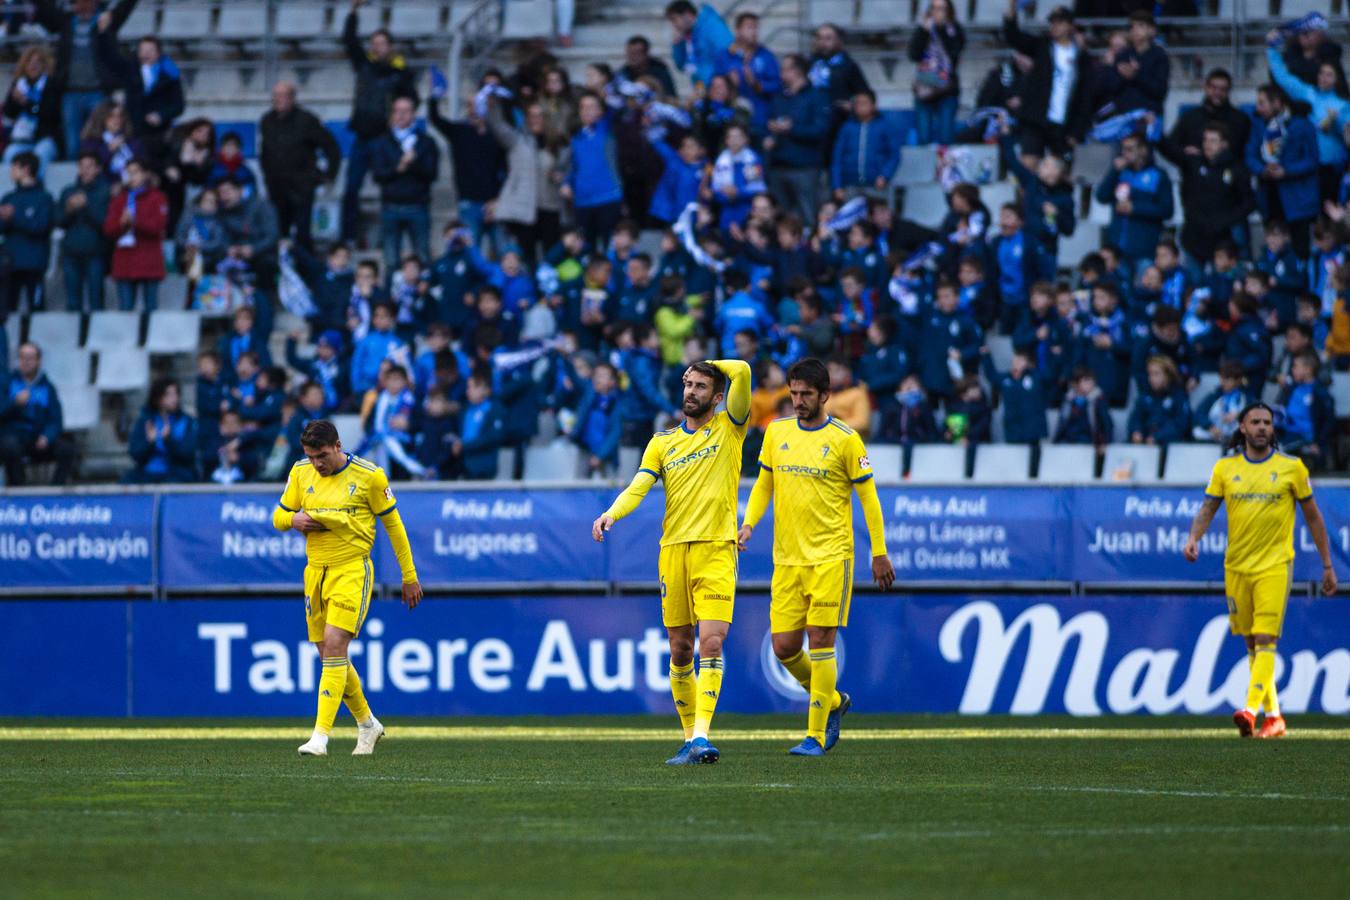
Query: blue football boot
(700, 751)
(832, 723)
(682, 757)
(808, 747)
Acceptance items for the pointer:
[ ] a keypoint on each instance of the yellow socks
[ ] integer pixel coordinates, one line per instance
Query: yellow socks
(709, 687)
(685, 691)
(799, 667)
(332, 683)
(354, 697)
(824, 675)
(1262, 679)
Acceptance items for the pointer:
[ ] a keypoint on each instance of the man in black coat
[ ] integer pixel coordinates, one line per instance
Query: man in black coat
(293, 141)
(1189, 131)
(404, 161)
(638, 63)
(1136, 76)
(1216, 195)
(381, 75)
(1056, 102)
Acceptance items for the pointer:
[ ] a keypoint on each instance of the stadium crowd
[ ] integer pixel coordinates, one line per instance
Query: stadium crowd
(770, 185)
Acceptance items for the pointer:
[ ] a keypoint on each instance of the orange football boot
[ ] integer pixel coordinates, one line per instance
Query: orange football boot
(1272, 727)
(1245, 722)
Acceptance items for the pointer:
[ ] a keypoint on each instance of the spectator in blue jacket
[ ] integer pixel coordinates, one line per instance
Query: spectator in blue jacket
(796, 146)
(866, 151)
(1284, 277)
(1216, 415)
(1330, 112)
(27, 217)
(592, 182)
(884, 364)
(509, 276)
(481, 434)
(737, 178)
(752, 67)
(325, 368)
(1164, 338)
(680, 179)
(1046, 339)
(454, 274)
(949, 343)
(241, 339)
(701, 35)
(1248, 342)
(1084, 417)
(1013, 257)
(599, 421)
(642, 399)
(80, 211)
(1308, 426)
(1022, 397)
(1162, 412)
(163, 441)
(404, 161)
(740, 312)
(1282, 154)
(30, 421)
(1135, 76)
(1104, 344)
(1140, 196)
(1047, 204)
(380, 344)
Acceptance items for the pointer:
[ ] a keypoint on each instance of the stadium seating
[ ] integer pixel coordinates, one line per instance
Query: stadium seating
(79, 406)
(917, 165)
(937, 463)
(242, 20)
(1000, 351)
(887, 461)
(925, 204)
(1002, 464)
(527, 19)
(1132, 463)
(1190, 463)
(1066, 464)
(123, 370)
(112, 331)
(350, 430)
(66, 365)
(1205, 385)
(50, 330)
(173, 331)
(1340, 393)
(560, 460)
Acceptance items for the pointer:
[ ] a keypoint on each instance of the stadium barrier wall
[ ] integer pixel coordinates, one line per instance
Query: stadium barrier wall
(538, 539)
(968, 653)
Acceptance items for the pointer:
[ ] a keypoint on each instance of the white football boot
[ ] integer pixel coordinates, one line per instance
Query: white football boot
(368, 734)
(317, 745)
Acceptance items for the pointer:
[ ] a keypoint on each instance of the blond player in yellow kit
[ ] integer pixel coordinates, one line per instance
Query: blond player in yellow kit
(1260, 486)
(334, 498)
(809, 466)
(700, 463)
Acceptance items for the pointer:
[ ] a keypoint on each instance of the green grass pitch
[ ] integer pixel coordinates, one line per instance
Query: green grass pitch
(914, 806)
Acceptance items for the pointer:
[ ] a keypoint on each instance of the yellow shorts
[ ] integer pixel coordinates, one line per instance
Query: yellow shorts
(810, 595)
(698, 582)
(338, 595)
(1256, 601)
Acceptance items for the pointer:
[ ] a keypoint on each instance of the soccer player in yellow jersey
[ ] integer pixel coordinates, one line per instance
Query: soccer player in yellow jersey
(1260, 485)
(334, 498)
(808, 467)
(700, 462)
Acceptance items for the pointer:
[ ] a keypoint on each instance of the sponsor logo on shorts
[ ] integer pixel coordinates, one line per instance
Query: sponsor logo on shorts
(718, 596)
(347, 606)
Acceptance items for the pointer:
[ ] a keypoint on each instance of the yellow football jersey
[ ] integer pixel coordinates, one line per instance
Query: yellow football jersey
(814, 470)
(346, 502)
(701, 470)
(1260, 495)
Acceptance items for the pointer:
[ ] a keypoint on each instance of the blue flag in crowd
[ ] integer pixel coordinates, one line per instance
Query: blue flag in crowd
(1117, 128)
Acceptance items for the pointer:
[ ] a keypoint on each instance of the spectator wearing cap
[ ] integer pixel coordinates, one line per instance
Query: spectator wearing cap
(27, 217)
(1056, 100)
(1136, 75)
(85, 31)
(381, 75)
(137, 223)
(404, 162)
(294, 143)
(1309, 49)
(30, 421)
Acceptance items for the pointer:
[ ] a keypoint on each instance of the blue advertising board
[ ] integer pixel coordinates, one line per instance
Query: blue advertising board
(969, 653)
(224, 539)
(77, 541)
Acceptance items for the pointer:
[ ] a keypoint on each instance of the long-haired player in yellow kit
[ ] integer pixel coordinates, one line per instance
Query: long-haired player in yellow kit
(334, 498)
(1260, 486)
(808, 467)
(700, 462)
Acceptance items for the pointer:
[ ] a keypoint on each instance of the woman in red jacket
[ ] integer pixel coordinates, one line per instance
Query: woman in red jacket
(138, 218)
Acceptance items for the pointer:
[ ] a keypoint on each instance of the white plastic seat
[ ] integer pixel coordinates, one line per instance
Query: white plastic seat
(1004, 463)
(141, 22)
(1091, 162)
(988, 13)
(833, 12)
(1205, 384)
(888, 462)
(410, 20)
(918, 165)
(349, 429)
(629, 460)
(242, 20)
(79, 406)
(506, 460)
(527, 19)
(123, 370)
(884, 15)
(937, 463)
(66, 365)
(559, 461)
(1067, 464)
(302, 21)
(174, 331)
(185, 21)
(1086, 238)
(994, 195)
(1340, 394)
(1190, 463)
(1000, 351)
(50, 330)
(1132, 463)
(925, 204)
(1120, 425)
(113, 331)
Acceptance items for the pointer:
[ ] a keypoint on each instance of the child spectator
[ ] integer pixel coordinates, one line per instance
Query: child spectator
(1216, 415)
(138, 220)
(258, 401)
(509, 277)
(593, 183)
(637, 299)
(1014, 259)
(1140, 196)
(241, 339)
(1165, 338)
(81, 212)
(1162, 413)
(229, 456)
(324, 369)
(389, 431)
(866, 150)
(740, 312)
(1047, 204)
(366, 294)
(1084, 417)
(229, 164)
(330, 283)
(409, 291)
(814, 334)
(599, 424)
(27, 217)
(906, 418)
(454, 274)
(675, 322)
(849, 402)
(1298, 340)
(309, 407)
(737, 178)
(975, 297)
(1248, 342)
(1022, 398)
(642, 400)
(968, 419)
(482, 432)
(163, 442)
(212, 395)
(377, 346)
(770, 390)
(1338, 332)
(885, 362)
(680, 180)
(1104, 347)
(1174, 281)
(854, 313)
(1328, 255)
(1285, 278)
(1308, 426)
(949, 343)
(435, 436)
